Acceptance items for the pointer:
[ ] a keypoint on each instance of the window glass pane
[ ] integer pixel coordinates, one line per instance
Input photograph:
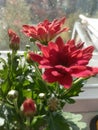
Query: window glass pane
(15, 13)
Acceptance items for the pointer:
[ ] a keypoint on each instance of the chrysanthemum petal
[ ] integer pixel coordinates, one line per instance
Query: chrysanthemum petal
(35, 57)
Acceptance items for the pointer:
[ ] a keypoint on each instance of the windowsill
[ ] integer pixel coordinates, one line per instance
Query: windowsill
(87, 101)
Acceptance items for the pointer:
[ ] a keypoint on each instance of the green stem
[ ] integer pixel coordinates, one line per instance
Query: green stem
(35, 48)
(39, 74)
(52, 123)
(16, 105)
(12, 60)
(75, 82)
(28, 123)
(78, 80)
(37, 70)
(57, 88)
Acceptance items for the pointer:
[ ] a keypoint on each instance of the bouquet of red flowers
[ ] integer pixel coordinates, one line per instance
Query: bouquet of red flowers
(36, 84)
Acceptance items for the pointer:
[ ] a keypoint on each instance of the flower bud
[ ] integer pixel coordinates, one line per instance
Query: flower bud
(14, 40)
(28, 58)
(28, 107)
(27, 47)
(42, 95)
(14, 46)
(53, 103)
(13, 94)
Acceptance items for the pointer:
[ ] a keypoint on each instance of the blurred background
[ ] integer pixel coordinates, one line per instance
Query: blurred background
(15, 13)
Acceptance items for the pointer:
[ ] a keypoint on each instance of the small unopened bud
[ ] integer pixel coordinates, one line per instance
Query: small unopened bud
(53, 103)
(28, 58)
(42, 95)
(13, 94)
(27, 47)
(28, 108)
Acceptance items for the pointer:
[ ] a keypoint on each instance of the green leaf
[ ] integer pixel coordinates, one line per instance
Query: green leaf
(3, 68)
(38, 121)
(75, 89)
(40, 85)
(3, 61)
(65, 121)
(5, 87)
(69, 100)
(27, 93)
(57, 122)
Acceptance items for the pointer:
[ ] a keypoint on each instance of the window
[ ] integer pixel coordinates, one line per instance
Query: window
(15, 13)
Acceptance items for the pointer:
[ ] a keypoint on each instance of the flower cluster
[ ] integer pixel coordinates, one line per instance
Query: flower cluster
(35, 85)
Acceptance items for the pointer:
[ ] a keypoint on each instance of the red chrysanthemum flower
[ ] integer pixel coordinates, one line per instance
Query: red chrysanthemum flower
(14, 40)
(63, 61)
(28, 107)
(45, 31)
